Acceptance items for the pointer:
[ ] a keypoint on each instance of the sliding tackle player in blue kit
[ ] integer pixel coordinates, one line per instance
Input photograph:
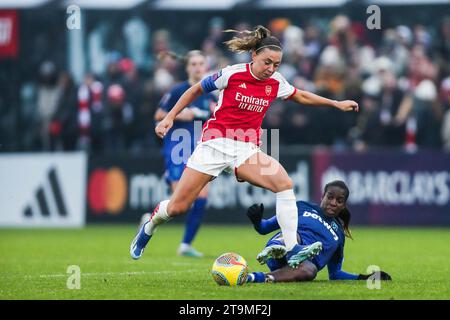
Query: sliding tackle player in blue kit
(327, 224)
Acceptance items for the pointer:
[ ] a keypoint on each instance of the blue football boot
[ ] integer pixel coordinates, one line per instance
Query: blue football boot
(139, 242)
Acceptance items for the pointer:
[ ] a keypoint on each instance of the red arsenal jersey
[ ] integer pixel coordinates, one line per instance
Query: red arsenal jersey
(244, 100)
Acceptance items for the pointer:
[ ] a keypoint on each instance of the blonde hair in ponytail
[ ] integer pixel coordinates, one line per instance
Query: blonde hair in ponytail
(251, 40)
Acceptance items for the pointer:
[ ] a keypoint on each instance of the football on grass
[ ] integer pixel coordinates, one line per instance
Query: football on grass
(230, 269)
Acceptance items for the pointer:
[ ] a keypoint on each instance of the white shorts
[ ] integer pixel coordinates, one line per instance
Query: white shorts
(220, 154)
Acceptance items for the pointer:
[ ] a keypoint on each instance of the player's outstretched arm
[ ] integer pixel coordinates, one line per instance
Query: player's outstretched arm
(189, 96)
(186, 115)
(262, 226)
(309, 98)
(335, 272)
(381, 275)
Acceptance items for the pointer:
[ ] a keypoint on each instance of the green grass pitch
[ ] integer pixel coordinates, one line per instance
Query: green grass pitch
(33, 265)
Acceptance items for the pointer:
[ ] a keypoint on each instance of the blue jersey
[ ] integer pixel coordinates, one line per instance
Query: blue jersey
(314, 225)
(179, 142)
(202, 104)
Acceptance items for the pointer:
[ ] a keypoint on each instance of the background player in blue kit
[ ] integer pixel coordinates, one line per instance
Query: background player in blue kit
(180, 141)
(327, 224)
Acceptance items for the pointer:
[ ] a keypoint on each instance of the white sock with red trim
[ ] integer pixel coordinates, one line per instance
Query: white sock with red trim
(287, 216)
(158, 217)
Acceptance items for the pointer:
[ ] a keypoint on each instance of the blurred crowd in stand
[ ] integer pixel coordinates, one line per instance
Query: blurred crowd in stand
(402, 83)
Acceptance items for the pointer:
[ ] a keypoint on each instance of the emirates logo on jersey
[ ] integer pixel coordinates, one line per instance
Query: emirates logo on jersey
(251, 103)
(268, 90)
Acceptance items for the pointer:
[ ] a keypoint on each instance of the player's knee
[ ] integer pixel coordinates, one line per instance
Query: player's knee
(284, 184)
(305, 276)
(310, 275)
(306, 273)
(177, 208)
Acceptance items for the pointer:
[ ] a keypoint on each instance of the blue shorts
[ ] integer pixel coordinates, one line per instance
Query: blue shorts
(275, 264)
(173, 171)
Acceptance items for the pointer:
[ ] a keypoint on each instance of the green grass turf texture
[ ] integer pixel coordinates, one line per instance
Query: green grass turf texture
(33, 265)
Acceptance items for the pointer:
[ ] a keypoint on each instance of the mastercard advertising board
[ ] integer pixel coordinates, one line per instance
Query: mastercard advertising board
(121, 189)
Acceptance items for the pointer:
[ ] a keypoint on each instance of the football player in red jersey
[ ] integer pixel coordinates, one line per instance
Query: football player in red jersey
(231, 138)
(198, 110)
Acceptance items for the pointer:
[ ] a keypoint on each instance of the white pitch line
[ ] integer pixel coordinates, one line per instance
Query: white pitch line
(183, 264)
(95, 274)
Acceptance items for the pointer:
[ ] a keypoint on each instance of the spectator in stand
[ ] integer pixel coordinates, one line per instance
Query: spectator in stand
(330, 57)
(143, 137)
(113, 73)
(420, 66)
(422, 115)
(381, 99)
(63, 126)
(48, 95)
(445, 98)
(120, 116)
(91, 115)
(442, 48)
(133, 86)
(165, 74)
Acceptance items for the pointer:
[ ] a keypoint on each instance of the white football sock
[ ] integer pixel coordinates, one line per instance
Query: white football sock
(158, 218)
(184, 246)
(270, 278)
(287, 216)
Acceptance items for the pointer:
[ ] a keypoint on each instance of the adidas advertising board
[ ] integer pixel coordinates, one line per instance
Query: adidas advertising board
(43, 190)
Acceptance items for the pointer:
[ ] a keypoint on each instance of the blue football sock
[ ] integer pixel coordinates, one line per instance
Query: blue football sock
(194, 219)
(256, 277)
